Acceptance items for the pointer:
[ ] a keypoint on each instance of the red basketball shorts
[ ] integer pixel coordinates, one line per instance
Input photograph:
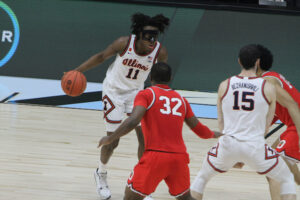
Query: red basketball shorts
(289, 144)
(156, 166)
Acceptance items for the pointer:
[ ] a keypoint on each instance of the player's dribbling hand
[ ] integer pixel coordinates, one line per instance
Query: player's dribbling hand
(104, 140)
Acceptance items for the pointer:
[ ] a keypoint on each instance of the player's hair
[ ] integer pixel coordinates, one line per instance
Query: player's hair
(161, 73)
(140, 20)
(248, 55)
(266, 57)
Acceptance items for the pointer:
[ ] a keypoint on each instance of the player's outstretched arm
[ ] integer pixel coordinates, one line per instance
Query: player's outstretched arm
(201, 130)
(128, 125)
(117, 46)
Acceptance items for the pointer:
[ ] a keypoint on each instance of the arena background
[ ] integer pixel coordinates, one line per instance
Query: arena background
(58, 35)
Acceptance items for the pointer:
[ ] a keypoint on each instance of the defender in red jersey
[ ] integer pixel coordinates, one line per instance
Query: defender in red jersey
(287, 111)
(162, 112)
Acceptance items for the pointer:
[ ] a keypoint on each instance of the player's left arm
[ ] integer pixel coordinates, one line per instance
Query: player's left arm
(163, 55)
(201, 130)
(128, 125)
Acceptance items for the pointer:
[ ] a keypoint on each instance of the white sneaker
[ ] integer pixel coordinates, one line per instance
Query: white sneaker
(102, 187)
(148, 198)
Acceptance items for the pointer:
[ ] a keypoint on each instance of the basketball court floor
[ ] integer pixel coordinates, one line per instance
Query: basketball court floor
(50, 152)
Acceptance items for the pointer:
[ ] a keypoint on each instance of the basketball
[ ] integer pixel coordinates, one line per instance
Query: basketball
(73, 83)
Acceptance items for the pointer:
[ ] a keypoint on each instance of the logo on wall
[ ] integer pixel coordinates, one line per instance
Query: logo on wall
(9, 33)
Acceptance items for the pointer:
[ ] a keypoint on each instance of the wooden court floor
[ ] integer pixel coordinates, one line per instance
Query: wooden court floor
(49, 153)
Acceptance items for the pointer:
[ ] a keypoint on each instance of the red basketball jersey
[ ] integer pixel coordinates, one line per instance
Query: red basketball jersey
(281, 112)
(163, 121)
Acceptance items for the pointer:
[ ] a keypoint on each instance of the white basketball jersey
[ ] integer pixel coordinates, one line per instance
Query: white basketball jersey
(130, 70)
(245, 108)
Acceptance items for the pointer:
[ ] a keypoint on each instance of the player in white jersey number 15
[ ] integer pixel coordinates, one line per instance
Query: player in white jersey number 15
(246, 107)
(135, 55)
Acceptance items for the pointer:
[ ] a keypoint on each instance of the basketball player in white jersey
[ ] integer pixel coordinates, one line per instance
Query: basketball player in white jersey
(246, 106)
(135, 55)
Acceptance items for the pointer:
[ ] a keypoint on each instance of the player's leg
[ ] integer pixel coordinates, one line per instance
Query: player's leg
(282, 174)
(128, 109)
(274, 186)
(267, 162)
(202, 178)
(294, 169)
(113, 114)
(146, 176)
(186, 196)
(219, 159)
(288, 148)
(178, 177)
(130, 195)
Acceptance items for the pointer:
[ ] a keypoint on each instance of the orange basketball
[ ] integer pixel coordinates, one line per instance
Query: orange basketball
(73, 83)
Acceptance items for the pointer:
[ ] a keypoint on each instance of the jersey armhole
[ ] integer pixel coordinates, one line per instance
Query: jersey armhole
(228, 83)
(156, 56)
(153, 100)
(281, 84)
(129, 40)
(263, 91)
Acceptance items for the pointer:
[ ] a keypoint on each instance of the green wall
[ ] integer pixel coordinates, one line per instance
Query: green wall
(58, 35)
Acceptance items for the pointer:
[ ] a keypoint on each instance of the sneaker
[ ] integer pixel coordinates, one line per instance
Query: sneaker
(148, 198)
(102, 187)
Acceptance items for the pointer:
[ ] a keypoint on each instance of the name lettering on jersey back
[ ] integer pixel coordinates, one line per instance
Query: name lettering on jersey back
(134, 63)
(250, 86)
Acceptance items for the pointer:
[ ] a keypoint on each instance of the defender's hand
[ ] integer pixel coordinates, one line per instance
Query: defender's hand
(104, 141)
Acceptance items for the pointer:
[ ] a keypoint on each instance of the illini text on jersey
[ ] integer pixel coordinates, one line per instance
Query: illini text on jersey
(134, 63)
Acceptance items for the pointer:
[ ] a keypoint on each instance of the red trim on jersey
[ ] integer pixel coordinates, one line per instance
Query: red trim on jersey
(240, 77)
(270, 168)
(112, 122)
(254, 77)
(125, 50)
(228, 83)
(266, 153)
(212, 154)
(154, 61)
(216, 169)
(108, 111)
(153, 99)
(263, 92)
(145, 54)
(135, 191)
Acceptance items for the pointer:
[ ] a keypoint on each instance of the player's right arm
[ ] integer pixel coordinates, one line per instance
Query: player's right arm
(270, 93)
(221, 92)
(118, 46)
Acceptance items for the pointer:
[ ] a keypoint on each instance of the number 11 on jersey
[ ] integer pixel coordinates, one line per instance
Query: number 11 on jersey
(136, 72)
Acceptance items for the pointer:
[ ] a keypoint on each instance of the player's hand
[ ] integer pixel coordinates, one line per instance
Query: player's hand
(239, 165)
(217, 134)
(104, 141)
